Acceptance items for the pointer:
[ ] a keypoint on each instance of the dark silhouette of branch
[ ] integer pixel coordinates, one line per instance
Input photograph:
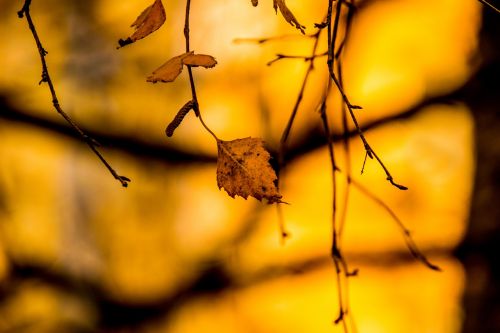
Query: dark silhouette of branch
(126, 144)
(25, 12)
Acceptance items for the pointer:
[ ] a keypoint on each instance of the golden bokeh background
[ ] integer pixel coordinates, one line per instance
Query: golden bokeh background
(172, 253)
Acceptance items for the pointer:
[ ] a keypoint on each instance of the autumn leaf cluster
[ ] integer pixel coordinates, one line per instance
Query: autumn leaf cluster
(243, 167)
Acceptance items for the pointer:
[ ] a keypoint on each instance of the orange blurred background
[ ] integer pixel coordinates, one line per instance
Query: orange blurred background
(172, 253)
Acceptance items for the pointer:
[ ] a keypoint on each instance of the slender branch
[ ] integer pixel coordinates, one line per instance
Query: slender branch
(345, 127)
(298, 101)
(338, 259)
(347, 153)
(25, 12)
(410, 243)
(196, 106)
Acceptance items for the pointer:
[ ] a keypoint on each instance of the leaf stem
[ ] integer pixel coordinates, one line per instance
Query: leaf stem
(196, 106)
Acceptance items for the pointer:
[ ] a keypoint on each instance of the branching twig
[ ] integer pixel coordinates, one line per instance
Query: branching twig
(25, 12)
(269, 39)
(298, 101)
(351, 107)
(280, 56)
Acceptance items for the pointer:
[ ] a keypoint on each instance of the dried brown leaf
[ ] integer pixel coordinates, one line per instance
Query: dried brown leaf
(255, 3)
(204, 60)
(287, 14)
(150, 20)
(243, 169)
(169, 71)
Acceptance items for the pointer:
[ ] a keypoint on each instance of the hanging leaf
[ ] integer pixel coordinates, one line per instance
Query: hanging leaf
(255, 3)
(243, 169)
(170, 70)
(204, 60)
(150, 20)
(287, 14)
(178, 118)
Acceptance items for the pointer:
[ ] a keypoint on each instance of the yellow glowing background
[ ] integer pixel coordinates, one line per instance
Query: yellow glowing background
(62, 213)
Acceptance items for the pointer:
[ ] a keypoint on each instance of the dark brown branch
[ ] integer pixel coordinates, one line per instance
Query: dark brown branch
(91, 143)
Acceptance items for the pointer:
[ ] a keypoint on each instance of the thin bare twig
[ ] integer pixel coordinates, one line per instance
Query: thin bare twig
(410, 243)
(269, 39)
(351, 107)
(298, 101)
(336, 253)
(341, 268)
(280, 56)
(345, 127)
(25, 12)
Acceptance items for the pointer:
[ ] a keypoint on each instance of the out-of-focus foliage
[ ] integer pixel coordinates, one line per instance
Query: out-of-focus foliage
(93, 244)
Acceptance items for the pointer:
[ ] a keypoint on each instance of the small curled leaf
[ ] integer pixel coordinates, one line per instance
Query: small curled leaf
(150, 20)
(178, 118)
(170, 70)
(287, 14)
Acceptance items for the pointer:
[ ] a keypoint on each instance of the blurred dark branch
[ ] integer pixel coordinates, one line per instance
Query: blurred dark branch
(213, 280)
(91, 142)
(479, 250)
(126, 144)
(313, 138)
